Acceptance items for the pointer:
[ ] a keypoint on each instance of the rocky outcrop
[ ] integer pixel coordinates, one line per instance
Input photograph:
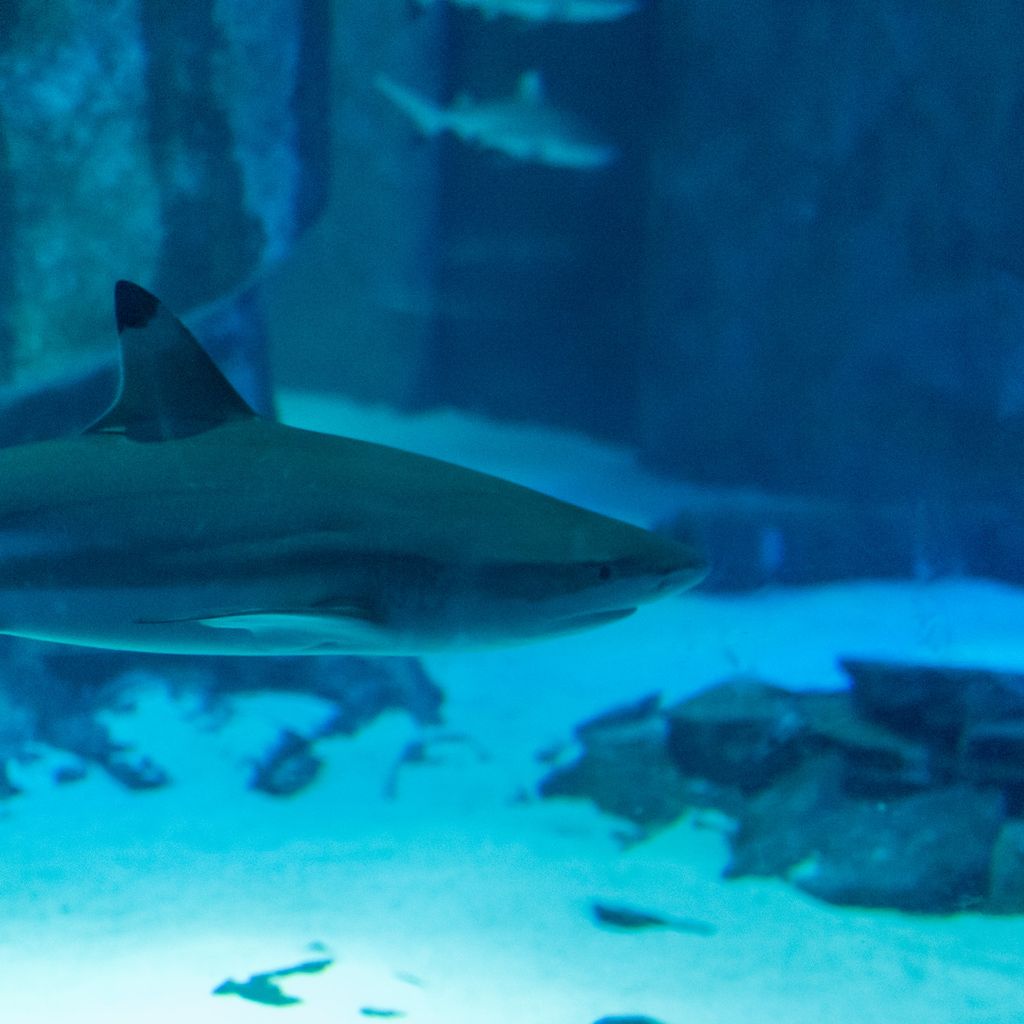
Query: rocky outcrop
(55, 695)
(625, 767)
(905, 791)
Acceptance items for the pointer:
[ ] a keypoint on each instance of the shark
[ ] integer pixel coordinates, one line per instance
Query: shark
(523, 126)
(542, 11)
(180, 521)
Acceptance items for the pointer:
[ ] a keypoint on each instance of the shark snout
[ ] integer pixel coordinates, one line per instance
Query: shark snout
(680, 578)
(679, 566)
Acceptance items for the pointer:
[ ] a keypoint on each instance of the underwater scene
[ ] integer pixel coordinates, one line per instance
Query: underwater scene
(510, 512)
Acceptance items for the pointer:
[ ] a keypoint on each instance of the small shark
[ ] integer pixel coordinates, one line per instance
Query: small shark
(183, 522)
(541, 11)
(524, 126)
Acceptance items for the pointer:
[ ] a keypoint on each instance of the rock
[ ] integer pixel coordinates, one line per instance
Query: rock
(7, 788)
(874, 797)
(932, 704)
(992, 753)
(68, 774)
(876, 761)
(78, 731)
(741, 733)
(139, 772)
(928, 853)
(625, 769)
(778, 827)
(627, 919)
(260, 988)
(912, 700)
(638, 711)
(263, 987)
(289, 768)
(364, 688)
(54, 694)
(18, 726)
(360, 688)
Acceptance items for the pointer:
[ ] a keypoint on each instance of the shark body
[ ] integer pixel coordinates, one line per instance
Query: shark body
(182, 522)
(542, 11)
(524, 126)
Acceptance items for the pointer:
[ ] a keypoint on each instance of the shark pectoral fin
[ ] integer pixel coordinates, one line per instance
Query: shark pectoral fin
(343, 629)
(336, 628)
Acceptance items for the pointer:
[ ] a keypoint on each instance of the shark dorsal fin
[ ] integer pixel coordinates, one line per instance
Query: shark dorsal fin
(170, 387)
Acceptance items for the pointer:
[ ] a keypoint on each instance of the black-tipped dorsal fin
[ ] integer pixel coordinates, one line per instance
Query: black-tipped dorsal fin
(170, 387)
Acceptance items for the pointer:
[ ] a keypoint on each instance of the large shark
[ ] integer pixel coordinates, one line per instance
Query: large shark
(541, 11)
(181, 521)
(524, 126)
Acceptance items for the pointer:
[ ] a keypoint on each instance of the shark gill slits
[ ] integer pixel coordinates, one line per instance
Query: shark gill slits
(134, 306)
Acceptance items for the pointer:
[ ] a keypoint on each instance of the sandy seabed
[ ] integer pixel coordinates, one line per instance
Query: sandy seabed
(454, 896)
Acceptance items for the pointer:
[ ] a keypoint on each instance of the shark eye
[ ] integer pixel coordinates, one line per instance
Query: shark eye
(605, 572)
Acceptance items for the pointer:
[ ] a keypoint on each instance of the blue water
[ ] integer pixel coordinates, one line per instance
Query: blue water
(747, 274)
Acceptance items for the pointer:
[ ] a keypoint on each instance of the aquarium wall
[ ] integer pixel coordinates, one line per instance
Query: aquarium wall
(184, 146)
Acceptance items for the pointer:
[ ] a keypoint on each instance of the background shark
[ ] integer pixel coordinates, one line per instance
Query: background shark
(523, 126)
(182, 522)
